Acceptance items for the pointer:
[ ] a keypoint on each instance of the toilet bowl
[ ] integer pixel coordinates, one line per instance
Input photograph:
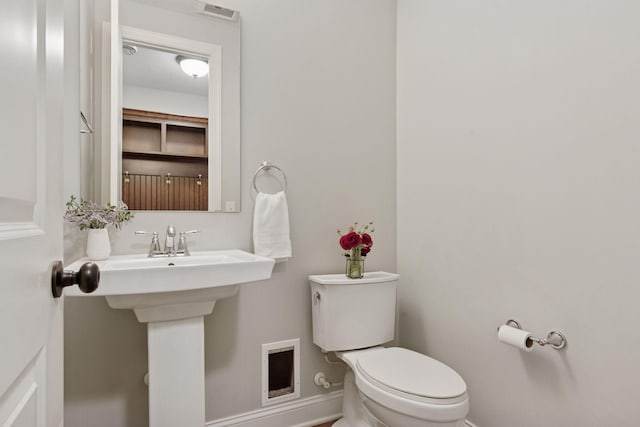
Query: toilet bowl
(383, 387)
(402, 388)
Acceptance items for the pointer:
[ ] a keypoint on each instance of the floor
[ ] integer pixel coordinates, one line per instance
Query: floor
(325, 424)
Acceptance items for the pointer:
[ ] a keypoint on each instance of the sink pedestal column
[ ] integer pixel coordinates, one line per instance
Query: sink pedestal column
(176, 373)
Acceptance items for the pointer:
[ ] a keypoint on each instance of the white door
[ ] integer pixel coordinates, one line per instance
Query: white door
(31, 209)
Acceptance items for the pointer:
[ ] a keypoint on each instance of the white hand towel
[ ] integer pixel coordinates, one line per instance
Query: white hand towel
(271, 226)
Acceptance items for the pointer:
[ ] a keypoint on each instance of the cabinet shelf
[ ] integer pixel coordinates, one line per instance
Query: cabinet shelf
(140, 154)
(159, 133)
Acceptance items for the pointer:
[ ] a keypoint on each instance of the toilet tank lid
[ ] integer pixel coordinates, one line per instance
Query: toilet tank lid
(341, 279)
(413, 373)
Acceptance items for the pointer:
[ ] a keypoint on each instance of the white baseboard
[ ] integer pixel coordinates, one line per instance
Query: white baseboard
(306, 412)
(300, 413)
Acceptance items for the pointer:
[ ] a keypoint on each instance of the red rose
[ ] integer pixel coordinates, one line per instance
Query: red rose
(366, 240)
(343, 243)
(350, 241)
(365, 250)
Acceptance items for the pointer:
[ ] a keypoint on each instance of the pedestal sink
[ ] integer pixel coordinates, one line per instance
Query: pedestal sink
(172, 295)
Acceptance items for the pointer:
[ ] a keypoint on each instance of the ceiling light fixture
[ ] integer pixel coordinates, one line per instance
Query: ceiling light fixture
(193, 67)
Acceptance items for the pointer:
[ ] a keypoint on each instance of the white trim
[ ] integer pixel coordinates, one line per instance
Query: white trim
(301, 413)
(102, 157)
(275, 347)
(214, 130)
(115, 104)
(19, 230)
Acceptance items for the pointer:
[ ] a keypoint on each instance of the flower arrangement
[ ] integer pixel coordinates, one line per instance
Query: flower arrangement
(90, 215)
(357, 243)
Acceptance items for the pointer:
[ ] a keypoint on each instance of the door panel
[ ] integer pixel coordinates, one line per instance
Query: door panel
(20, 406)
(31, 208)
(20, 30)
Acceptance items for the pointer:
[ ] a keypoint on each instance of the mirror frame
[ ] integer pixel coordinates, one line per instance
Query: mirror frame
(213, 53)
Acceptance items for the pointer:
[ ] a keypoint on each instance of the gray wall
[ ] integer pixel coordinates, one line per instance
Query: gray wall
(318, 99)
(518, 171)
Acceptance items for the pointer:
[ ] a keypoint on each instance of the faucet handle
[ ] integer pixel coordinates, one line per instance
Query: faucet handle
(182, 242)
(154, 248)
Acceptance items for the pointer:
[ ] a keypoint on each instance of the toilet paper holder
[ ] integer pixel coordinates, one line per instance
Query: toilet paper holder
(555, 338)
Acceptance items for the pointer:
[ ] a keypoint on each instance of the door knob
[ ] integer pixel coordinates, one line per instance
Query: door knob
(87, 278)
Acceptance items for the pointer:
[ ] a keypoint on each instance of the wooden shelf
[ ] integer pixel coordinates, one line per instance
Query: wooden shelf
(164, 134)
(161, 154)
(153, 117)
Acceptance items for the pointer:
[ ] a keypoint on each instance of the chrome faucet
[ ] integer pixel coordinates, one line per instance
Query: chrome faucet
(169, 243)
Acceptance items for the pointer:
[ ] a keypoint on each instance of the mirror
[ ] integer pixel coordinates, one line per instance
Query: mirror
(167, 132)
(175, 137)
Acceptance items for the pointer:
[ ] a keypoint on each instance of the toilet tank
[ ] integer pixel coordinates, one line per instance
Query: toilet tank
(353, 313)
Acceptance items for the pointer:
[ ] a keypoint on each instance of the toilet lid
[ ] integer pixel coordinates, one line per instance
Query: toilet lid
(413, 373)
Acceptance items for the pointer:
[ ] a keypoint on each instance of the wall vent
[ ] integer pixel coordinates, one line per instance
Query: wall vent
(280, 371)
(216, 11)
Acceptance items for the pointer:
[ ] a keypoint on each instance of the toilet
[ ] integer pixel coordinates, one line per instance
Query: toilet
(383, 387)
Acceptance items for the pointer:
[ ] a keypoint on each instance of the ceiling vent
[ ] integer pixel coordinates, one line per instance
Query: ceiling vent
(216, 11)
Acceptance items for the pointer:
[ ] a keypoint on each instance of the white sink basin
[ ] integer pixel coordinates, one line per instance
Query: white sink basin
(171, 288)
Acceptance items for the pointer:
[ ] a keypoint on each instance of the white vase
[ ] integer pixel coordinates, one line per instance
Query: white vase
(98, 244)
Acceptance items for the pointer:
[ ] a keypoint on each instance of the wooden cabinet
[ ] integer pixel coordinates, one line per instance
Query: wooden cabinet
(156, 192)
(164, 161)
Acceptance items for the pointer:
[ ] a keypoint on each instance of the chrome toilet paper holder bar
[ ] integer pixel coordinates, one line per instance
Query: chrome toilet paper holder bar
(555, 338)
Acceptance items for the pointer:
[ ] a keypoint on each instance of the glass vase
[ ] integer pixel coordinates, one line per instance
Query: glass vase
(355, 266)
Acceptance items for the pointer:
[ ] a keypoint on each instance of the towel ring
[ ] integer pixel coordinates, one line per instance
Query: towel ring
(266, 166)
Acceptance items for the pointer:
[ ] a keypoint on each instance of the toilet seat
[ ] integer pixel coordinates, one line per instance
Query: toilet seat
(409, 389)
(412, 375)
